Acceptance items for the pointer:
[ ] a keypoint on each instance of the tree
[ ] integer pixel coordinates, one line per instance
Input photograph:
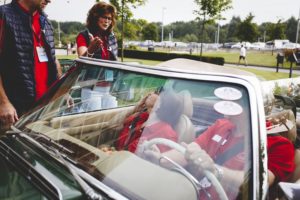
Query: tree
(210, 10)
(247, 30)
(276, 31)
(123, 8)
(291, 28)
(190, 38)
(279, 30)
(150, 32)
(264, 31)
(232, 29)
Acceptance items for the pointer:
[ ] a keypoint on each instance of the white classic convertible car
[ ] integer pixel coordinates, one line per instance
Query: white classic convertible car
(109, 130)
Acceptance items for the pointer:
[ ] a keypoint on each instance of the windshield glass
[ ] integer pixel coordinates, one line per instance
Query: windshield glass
(119, 126)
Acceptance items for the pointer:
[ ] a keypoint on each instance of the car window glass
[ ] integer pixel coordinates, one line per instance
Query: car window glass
(15, 186)
(108, 118)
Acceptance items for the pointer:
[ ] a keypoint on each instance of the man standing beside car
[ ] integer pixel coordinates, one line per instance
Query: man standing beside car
(28, 65)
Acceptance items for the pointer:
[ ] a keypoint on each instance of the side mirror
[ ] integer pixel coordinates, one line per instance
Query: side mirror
(290, 191)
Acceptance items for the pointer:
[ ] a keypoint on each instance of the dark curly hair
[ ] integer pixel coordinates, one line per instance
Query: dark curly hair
(98, 10)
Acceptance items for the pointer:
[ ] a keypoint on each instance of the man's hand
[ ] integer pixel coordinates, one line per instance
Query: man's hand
(198, 160)
(8, 115)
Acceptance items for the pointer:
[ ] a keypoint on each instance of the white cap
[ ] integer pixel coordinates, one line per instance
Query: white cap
(228, 93)
(279, 128)
(228, 108)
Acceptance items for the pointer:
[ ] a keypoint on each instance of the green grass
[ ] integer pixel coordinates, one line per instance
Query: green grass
(266, 75)
(72, 57)
(259, 58)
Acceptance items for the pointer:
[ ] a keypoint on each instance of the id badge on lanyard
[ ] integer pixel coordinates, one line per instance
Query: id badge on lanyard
(41, 54)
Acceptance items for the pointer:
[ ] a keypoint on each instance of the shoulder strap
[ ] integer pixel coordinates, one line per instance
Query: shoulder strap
(230, 153)
(85, 34)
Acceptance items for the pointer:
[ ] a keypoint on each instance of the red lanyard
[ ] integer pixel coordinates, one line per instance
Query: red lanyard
(37, 35)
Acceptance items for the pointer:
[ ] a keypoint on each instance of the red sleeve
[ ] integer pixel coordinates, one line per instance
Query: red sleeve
(202, 140)
(221, 126)
(80, 40)
(281, 155)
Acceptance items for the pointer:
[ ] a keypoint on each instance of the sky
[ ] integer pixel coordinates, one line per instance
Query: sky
(152, 11)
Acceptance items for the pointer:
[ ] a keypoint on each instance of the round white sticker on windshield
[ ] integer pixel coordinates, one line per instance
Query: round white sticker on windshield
(228, 108)
(228, 93)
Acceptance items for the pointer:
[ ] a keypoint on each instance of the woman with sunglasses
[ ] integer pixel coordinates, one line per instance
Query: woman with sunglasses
(98, 40)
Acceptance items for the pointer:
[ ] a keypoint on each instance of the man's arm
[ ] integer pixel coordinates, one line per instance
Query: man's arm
(271, 178)
(58, 67)
(8, 114)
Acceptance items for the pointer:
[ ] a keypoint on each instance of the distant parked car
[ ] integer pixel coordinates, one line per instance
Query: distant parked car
(239, 45)
(258, 45)
(228, 45)
(290, 46)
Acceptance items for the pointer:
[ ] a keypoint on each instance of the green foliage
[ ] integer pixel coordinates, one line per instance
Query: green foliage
(232, 29)
(208, 11)
(123, 9)
(277, 89)
(189, 38)
(276, 31)
(68, 31)
(211, 9)
(247, 30)
(150, 32)
(291, 28)
(127, 4)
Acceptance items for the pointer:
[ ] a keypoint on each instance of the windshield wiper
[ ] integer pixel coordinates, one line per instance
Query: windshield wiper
(39, 135)
(88, 191)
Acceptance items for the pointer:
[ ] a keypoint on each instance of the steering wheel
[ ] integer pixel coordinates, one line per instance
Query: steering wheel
(210, 176)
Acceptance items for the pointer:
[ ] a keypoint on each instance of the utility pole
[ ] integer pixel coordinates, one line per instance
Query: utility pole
(162, 24)
(122, 30)
(218, 33)
(265, 36)
(58, 26)
(297, 34)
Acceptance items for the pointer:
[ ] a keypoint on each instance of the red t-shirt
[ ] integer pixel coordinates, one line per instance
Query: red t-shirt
(216, 140)
(281, 154)
(40, 68)
(81, 42)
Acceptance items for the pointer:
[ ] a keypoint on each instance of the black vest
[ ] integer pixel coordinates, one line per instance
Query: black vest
(17, 57)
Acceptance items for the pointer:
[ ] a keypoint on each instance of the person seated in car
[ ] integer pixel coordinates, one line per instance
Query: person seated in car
(134, 123)
(160, 123)
(212, 151)
(281, 153)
